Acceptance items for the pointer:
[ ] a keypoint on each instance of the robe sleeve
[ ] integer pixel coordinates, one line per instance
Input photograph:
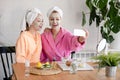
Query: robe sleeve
(20, 50)
(43, 57)
(73, 43)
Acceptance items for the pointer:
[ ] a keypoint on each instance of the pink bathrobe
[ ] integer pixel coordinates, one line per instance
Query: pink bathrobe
(62, 46)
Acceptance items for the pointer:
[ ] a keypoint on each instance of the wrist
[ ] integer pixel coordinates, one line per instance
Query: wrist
(81, 40)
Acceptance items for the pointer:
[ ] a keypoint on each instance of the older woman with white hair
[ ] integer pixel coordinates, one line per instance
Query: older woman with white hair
(28, 46)
(57, 42)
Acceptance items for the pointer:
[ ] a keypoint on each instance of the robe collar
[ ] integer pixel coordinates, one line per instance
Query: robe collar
(53, 43)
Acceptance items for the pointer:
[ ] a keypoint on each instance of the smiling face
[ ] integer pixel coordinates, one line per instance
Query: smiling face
(38, 22)
(54, 20)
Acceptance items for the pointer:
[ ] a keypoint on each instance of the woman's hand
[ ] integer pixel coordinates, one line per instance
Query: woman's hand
(47, 29)
(82, 39)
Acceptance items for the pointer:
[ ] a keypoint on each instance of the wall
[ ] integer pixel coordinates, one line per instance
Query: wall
(12, 11)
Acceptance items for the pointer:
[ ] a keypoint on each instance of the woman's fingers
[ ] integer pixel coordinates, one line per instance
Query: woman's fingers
(87, 33)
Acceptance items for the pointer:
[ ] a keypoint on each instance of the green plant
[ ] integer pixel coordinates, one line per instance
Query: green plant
(106, 14)
(110, 59)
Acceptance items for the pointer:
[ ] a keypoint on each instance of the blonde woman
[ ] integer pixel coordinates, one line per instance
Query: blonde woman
(57, 42)
(28, 46)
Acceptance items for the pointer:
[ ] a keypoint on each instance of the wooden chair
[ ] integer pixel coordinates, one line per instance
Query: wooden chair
(7, 53)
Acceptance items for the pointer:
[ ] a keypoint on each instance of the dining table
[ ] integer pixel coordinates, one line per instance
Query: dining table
(95, 74)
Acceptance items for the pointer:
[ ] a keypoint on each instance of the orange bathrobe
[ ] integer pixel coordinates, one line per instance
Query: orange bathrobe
(28, 47)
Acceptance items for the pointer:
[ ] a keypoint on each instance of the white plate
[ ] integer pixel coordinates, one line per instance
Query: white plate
(84, 67)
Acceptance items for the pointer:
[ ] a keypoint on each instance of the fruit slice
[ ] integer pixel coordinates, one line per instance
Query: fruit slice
(47, 63)
(39, 65)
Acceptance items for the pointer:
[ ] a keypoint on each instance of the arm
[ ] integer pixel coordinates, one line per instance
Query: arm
(82, 39)
(43, 57)
(20, 50)
(76, 43)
